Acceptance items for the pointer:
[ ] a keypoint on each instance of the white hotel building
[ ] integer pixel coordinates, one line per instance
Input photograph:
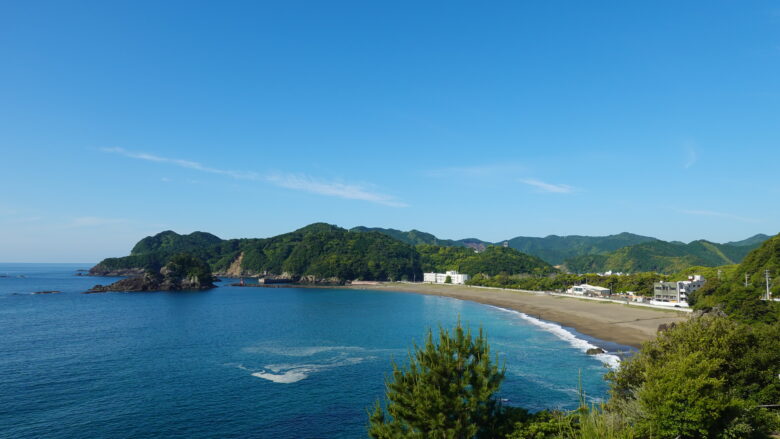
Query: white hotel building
(440, 278)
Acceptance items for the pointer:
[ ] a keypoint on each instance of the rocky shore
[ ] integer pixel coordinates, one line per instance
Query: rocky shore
(181, 273)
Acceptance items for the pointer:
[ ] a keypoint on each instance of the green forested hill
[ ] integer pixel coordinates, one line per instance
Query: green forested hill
(172, 242)
(412, 237)
(740, 292)
(753, 241)
(662, 257)
(492, 261)
(318, 250)
(556, 249)
(416, 237)
(322, 251)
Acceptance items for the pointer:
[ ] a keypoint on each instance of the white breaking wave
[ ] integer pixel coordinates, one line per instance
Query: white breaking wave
(286, 373)
(301, 351)
(611, 360)
(292, 376)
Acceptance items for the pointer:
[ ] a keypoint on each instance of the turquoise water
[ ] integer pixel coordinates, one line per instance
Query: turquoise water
(240, 362)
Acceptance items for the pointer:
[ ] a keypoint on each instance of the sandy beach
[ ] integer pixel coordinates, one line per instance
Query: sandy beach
(623, 324)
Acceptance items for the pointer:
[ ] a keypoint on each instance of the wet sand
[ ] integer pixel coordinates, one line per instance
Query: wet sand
(623, 324)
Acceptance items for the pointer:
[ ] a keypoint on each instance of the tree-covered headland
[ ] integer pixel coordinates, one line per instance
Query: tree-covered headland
(323, 251)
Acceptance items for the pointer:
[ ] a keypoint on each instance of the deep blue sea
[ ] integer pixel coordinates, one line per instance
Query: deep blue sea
(241, 362)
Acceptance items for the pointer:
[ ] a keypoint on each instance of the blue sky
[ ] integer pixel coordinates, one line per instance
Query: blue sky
(249, 119)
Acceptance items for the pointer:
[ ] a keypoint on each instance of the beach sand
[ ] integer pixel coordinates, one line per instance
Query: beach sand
(623, 324)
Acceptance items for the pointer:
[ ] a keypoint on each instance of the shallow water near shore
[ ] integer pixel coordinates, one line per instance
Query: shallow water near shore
(243, 362)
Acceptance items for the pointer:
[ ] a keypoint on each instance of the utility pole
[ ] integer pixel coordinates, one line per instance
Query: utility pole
(746, 279)
(768, 293)
(719, 272)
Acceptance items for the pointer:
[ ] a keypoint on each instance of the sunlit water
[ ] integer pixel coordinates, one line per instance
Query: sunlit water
(242, 362)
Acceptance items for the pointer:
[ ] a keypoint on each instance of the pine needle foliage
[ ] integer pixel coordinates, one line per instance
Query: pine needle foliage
(447, 391)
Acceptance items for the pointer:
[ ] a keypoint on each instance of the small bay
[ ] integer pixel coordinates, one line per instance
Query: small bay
(242, 362)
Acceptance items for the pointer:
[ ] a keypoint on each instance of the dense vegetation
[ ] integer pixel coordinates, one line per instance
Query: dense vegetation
(624, 252)
(318, 250)
(663, 257)
(416, 237)
(186, 266)
(412, 237)
(710, 377)
(492, 261)
(714, 376)
(639, 283)
(741, 289)
(556, 249)
(172, 242)
(324, 251)
(706, 378)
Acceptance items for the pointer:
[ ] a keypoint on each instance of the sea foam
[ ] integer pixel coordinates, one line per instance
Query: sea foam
(292, 376)
(286, 373)
(610, 360)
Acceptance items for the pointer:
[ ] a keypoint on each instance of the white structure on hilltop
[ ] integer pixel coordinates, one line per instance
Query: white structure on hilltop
(676, 293)
(440, 278)
(589, 290)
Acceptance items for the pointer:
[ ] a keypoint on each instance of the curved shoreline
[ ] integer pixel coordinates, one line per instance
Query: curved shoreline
(612, 322)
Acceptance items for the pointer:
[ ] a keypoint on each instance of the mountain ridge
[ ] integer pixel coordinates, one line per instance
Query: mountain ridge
(625, 251)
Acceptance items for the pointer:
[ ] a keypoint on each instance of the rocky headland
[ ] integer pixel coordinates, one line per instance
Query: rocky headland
(182, 273)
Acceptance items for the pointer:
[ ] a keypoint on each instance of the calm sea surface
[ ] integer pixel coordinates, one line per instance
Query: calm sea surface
(240, 362)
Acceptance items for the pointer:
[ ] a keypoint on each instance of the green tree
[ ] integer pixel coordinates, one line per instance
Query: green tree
(705, 378)
(447, 391)
(448, 279)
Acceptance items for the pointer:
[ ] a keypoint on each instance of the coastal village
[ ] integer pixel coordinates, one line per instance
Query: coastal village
(672, 294)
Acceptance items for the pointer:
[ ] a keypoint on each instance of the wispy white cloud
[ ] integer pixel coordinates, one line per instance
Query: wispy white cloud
(720, 215)
(548, 187)
(241, 175)
(334, 189)
(290, 181)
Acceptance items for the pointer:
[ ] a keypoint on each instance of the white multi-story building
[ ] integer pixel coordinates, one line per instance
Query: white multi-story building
(676, 293)
(440, 278)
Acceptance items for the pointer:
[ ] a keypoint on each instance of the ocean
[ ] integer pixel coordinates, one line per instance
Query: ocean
(244, 362)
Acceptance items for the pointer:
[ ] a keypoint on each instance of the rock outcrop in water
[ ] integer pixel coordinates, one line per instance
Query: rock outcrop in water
(182, 273)
(102, 270)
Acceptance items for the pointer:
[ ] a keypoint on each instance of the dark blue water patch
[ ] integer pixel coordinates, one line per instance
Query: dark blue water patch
(238, 362)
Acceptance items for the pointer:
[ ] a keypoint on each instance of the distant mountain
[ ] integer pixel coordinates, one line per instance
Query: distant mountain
(416, 237)
(662, 257)
(626, 252)
(412, 237)
(326, 251)
(753, 241)
(556, 249)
